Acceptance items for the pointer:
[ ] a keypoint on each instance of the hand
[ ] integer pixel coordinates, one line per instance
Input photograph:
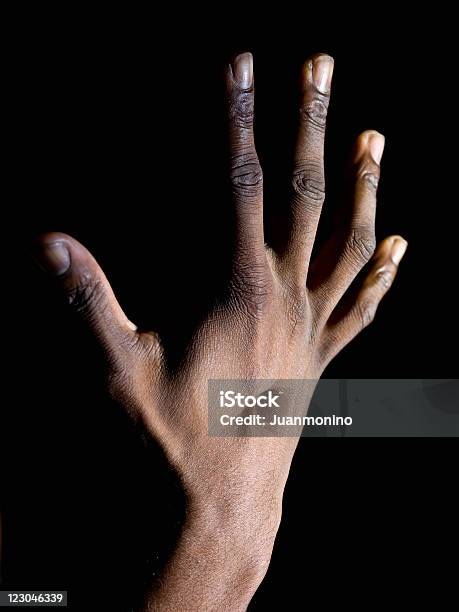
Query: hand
(281, 317)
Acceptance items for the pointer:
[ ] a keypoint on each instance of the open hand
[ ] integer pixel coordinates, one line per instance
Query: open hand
(282, 316)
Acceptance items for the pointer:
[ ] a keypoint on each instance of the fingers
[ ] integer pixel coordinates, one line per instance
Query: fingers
(352, 244)
(308, 181)
(359, 309)
(245, 171)
(86, 288)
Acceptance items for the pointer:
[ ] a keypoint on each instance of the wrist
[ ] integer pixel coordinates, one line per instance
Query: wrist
(240, 528)
(215, 565)
(240, 516)
(234, 553)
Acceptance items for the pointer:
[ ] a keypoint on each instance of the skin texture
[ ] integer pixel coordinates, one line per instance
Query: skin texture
(282, 316)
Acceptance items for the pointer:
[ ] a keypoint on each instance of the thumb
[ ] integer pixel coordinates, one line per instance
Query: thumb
(86, 288)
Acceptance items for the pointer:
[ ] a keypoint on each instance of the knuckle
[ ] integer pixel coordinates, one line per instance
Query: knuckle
(251, 288)
(361, 244)
(246, 176)
(86, 294)
(241, 109)
(384, 277)
(368, 176)
(297, 306)
(314, 112)
(309, 184)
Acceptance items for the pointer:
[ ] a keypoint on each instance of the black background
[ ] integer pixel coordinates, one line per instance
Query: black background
(118, 132)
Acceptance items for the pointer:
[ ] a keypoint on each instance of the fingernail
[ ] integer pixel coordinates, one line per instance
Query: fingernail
(322, 72)
(53, 258)
(376, 146)
(243, 70)
(398, 250)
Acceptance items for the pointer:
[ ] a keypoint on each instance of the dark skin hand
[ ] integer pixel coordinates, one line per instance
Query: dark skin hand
(283, 317)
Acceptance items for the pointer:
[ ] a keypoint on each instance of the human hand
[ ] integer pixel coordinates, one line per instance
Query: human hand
(282, 316)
